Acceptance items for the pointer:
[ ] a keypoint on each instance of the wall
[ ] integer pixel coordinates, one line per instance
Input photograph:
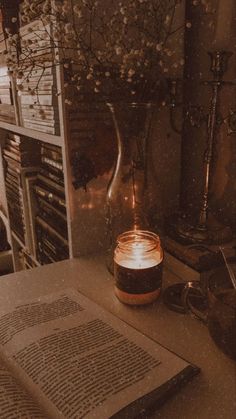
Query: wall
(166, 142)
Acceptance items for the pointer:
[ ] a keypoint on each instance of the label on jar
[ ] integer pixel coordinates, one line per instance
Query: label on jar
(138, 281)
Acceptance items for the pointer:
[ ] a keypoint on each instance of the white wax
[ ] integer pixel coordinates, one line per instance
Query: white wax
(138, 262)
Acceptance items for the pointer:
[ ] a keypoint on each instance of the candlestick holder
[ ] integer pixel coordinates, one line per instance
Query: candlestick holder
(138, 267)
(206, 229)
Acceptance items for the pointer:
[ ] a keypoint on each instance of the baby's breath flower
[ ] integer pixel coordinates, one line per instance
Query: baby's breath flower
(167, 19)
(131, 72)
(77, 10)
(119, 47)
(68, 27)
(118, 50)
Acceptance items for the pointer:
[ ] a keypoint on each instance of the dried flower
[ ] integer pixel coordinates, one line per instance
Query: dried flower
(119, 49)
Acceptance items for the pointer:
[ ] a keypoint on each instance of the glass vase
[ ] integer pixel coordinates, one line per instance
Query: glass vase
(127, 195)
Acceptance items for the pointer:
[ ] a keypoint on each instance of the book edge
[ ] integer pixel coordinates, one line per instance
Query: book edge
(146, 405)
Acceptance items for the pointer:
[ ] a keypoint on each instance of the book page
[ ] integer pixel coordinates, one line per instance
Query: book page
(15, 403)
(81, 359)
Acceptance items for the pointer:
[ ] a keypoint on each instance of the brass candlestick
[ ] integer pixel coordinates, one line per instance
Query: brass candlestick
(202, 232)
(219, 60)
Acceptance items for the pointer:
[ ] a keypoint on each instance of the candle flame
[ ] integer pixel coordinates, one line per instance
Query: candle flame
(138, 251)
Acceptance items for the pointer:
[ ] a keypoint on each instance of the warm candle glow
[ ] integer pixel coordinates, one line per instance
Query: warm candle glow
(136, 257)
(138, 267)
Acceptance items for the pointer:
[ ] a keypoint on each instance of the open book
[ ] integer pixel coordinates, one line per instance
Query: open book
(63, 356)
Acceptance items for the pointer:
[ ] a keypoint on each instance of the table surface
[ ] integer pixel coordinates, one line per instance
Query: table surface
(212, 394)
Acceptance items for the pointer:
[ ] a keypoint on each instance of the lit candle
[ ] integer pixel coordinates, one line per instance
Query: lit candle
(224, 24)
(138, 267)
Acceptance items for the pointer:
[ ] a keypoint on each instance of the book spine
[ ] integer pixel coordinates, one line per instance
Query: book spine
(41, 85)
(14, 201)
(50, 230)
(17, 216)
(15, 150)
(12, 180)
(50, 124)
(52, 147)
(53, 170)
(49, 247)
(41, 100)
(16, 138)
(38, 107)
(4, 91)
(22, 158)
(11, 155)
(37, 127)
(12, 145)
(42, 48)
(57, 177)
(14, 173)
(13, 190)
(4, 79)
(54, 255)
(52, 163)
(12, 164)
(34, 77)
(51, 210)
(51, 185)
(40, 61)
(51, 154)
(53, 221)
(46, 115)
(7, 114)
(3, 71)
(36, 92)
(5, 99)
(50, 197)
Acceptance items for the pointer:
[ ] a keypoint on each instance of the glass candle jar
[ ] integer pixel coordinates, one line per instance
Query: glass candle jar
(138, 260)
